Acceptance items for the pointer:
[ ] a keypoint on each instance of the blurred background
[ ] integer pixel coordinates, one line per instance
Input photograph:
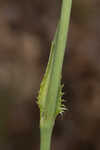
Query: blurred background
(26, 31)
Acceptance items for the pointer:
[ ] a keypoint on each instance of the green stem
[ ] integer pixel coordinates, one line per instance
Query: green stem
(60, 45)
(46, 128)
(49, 91)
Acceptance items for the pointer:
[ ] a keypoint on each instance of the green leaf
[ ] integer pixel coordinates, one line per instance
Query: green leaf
(44, 86)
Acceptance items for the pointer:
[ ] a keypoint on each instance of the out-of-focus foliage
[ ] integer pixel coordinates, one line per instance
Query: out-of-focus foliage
(26, 31)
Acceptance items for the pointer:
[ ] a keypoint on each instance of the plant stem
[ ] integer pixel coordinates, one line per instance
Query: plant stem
(60, 45)
(52, 82)
(46, 133)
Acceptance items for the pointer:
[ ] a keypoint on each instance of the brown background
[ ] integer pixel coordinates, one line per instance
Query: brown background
(26, 30)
